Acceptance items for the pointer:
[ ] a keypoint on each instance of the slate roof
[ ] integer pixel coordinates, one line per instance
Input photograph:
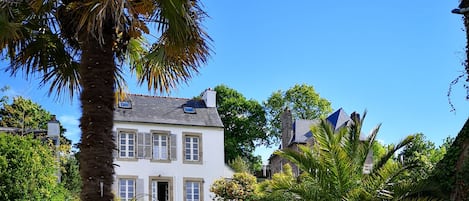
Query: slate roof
(302, 128)
(166, 110)
(338, 119)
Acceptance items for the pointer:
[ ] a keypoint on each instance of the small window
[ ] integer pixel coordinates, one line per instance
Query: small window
(192, 148)
(193, 189)
(125, 104)
(189, 110)
(126, 189)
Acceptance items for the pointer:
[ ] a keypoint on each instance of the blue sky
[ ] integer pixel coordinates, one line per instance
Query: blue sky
(394, 58)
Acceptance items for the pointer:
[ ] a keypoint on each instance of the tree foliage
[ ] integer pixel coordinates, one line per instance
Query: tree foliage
(424, 154)
(303, 101)
(242, 187)
(24, 114)
(70, 177)
(244, 122)
(27, 170)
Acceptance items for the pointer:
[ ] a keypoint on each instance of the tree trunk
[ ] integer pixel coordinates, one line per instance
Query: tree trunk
(461, 187)
(97, 72)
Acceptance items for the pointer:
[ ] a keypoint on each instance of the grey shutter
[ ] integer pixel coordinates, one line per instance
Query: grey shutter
(115, 140)
(139, 191)
(140, 145)
(173, 147)
(147, 146)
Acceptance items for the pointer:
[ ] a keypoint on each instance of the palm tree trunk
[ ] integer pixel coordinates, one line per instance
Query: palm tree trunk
(97, 72)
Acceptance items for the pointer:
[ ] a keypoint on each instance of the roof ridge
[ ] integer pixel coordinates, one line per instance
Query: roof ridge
(153, 96)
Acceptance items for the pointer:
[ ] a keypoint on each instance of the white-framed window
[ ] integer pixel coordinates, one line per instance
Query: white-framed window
(126, 144)
(160, 146)
(193, 189)
(191, 148)
(126, 189)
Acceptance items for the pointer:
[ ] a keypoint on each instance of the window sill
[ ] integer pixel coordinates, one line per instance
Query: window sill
(126, 159)
(160, 161)
(192, 162)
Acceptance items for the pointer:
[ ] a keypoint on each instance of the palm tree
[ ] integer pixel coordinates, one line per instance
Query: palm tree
(81, 46)
(333, 166)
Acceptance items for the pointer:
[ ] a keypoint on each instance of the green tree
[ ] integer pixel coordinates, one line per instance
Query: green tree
(244, 122)
(74, 46)
(302, 100)
(24, 114)
(333, 167)
(70, 179)
(27, 170)
(239, 165)
(424, 154)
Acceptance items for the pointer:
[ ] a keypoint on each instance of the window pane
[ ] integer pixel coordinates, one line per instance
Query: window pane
(164, 153)
(195, 139)
(188, 139)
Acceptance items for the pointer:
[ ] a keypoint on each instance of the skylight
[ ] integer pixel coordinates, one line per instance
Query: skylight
(189, 110)
(125, 104)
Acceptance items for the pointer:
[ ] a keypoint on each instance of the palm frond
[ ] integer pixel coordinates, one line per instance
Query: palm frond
(392, 149)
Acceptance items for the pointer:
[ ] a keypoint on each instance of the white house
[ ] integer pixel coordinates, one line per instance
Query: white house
(169, 149)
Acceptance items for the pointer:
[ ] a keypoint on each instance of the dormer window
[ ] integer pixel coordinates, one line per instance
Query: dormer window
(125, 104)
(189, 110)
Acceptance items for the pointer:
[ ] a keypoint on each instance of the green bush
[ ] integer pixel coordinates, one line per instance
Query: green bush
(28, 170)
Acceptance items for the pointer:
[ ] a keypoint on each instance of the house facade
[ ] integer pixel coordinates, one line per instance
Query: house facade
(169, 149)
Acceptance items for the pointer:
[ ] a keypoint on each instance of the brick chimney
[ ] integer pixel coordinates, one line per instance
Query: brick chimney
(210, 97)
(287, 127)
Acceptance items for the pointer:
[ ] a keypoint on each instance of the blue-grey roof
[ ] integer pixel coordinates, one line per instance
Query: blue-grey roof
(302, 130)
(338, 119)
(166, 110)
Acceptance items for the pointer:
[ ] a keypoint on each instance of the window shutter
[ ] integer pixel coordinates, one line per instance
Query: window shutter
(139, 193)
(140, 145)
(173, 145)
(147, 145)
(116, 142)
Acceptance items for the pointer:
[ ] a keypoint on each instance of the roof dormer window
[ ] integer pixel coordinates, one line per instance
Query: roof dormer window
(189, 110)
(125, 104)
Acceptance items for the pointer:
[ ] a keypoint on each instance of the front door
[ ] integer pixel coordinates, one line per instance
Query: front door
(159, 190)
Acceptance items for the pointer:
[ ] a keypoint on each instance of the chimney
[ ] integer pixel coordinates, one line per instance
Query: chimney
(210, 96)
(287, 127)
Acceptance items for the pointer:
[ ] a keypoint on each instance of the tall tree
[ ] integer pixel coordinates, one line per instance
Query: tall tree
(424, 154)
(244, 122)
(74, 46)
(302, 100)
(24, 114)
(460, 148)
